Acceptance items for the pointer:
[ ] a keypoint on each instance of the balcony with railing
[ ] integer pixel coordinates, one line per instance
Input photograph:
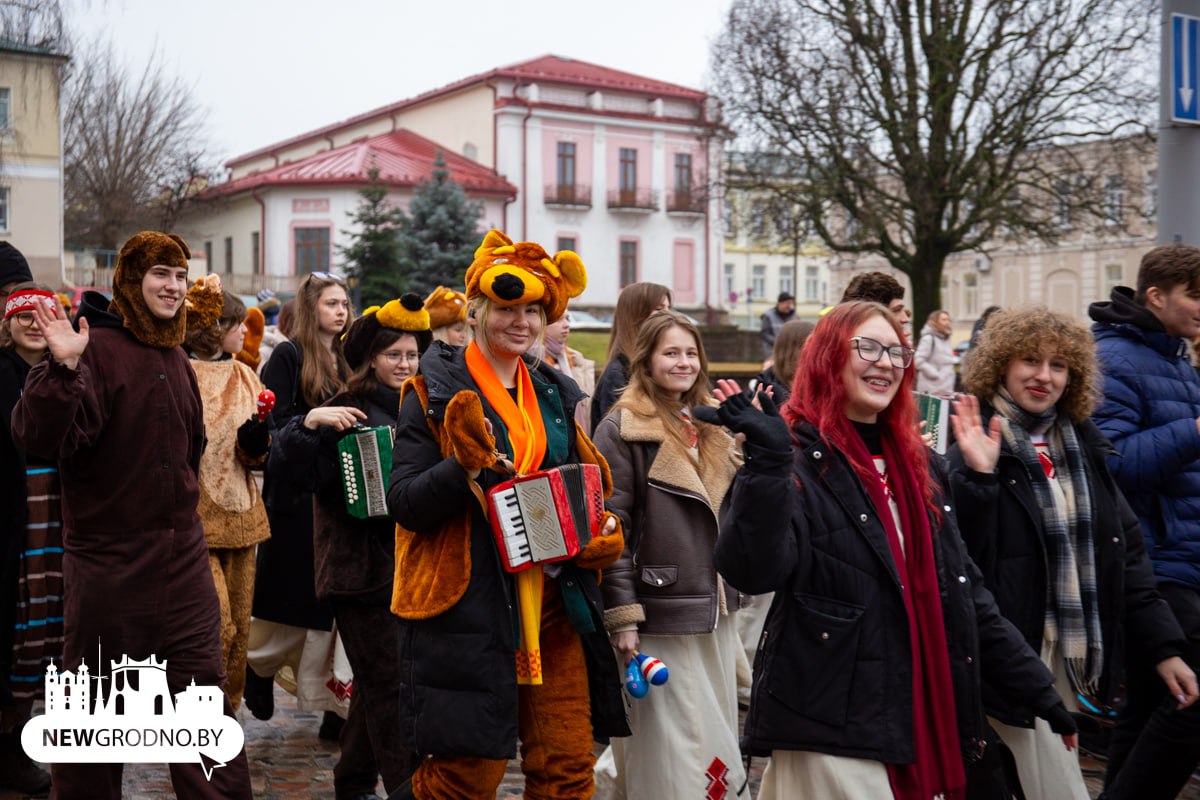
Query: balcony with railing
(686, 203)
(568, 195)
(640, 201)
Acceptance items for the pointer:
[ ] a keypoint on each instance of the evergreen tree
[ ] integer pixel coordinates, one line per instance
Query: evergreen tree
(438, 239)
(372, 259)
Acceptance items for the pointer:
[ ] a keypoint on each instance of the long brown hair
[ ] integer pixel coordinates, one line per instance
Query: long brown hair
(645, 397)
(320, 378)
(786, 353)
(635, 303)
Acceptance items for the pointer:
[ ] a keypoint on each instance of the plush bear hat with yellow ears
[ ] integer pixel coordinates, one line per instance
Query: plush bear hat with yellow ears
(523, 272)
(405, 314)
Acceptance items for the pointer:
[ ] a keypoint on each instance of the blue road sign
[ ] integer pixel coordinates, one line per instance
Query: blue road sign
(1185, 69)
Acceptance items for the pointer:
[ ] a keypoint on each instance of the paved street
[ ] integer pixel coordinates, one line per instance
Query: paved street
(289, 762)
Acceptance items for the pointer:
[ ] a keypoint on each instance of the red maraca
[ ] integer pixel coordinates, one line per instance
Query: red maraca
(266, 402)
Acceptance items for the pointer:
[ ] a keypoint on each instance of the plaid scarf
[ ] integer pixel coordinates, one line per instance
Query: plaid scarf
(1072, 604)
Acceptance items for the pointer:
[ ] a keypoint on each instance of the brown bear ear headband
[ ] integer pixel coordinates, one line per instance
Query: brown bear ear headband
(204, 303)
(445, 307)
(510, 273)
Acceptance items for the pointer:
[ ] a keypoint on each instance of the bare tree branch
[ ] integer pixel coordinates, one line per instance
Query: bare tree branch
(915, 129)
(134, 150)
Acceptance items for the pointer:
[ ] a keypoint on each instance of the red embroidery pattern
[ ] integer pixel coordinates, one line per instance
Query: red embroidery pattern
(529, 665)
(883, 478)
(691, 436)
(341, 690)
(1047, 464)
(718, 780)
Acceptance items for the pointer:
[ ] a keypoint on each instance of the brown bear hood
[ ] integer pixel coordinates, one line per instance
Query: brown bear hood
(143, 251)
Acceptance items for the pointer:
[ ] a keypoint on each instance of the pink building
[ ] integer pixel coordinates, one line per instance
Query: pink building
(618, 167)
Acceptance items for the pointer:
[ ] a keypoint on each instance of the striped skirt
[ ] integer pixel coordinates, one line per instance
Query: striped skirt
(39, 633)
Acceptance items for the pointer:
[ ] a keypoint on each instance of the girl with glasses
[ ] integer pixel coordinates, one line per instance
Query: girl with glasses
(1057, 544)
(867, 681)
(31, 579)
(355, 557)
(291, 627)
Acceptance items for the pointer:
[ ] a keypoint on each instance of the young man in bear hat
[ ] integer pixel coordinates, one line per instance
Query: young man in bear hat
(118, 407)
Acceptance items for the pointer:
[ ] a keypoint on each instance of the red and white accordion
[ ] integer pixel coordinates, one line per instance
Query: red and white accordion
(546, 516)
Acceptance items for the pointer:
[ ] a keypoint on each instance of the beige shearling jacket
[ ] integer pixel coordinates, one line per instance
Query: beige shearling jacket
(665, 580)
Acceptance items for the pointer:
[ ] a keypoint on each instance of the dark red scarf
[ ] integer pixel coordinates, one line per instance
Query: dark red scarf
(938, 768)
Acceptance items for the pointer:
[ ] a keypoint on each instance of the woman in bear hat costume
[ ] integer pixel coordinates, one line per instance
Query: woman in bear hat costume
(355, 557)
(118, 407)
(481, 659)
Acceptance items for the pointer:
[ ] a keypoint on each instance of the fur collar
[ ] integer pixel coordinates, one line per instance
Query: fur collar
(673, 465)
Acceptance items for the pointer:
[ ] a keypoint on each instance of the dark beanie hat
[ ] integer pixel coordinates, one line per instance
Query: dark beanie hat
(13, 266)
(406, 314)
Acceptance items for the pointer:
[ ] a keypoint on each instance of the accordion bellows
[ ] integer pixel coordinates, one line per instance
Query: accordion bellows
(546, 516)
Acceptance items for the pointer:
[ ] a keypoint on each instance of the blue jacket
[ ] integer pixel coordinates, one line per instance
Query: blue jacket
(1149, 410)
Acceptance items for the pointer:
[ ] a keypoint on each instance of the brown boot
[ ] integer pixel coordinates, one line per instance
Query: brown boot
(18, 772)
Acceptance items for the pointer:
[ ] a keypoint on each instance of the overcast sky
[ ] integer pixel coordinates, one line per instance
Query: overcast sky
(265, 70)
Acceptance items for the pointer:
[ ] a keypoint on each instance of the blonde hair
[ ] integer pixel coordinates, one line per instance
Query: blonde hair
(480, 308)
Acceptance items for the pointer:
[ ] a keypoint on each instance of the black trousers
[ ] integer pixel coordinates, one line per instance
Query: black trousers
(1155, 747)
(370, 739)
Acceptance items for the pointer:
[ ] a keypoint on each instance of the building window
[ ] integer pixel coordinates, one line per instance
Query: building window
(758, 219)
(471, 151)
(1062, 202)
(812, 284)
(970, 295)
(1151, 204)
(629, 263)
(5, 108)
(1113, 277)
(627, 180)
(255, 254)
(566, 243)
(758, 281)
(1114, 199)
(312, 250)
(683, 173)
(566, 164)
(228, 254)
(943, 290)
(727, 211)
(730, 292)
(787, 280)
(4, 205)
(208, 260)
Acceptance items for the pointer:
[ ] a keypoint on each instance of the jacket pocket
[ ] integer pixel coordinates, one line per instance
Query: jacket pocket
(659, 577)
(815, 672)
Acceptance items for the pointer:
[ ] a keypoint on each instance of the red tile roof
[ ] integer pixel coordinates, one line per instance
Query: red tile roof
(403, 157)
(547, 68)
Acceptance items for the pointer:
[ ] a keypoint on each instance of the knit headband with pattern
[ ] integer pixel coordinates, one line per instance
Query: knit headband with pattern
(26, 299)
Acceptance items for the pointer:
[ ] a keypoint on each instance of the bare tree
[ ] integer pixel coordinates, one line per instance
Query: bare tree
(915, 129)
(134, 147)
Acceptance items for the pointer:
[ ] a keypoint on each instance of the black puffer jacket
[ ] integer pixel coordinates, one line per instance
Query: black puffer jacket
(458, 674)
(1006, 537)
(834, 673)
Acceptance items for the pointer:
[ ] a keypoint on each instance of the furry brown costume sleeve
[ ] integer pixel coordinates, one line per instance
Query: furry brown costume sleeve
(466, 427)
(255, 325)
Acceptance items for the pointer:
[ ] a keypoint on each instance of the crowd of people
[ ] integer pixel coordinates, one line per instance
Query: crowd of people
(919, 626)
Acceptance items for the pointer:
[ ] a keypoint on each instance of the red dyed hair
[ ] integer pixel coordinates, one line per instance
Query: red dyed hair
(819, 393)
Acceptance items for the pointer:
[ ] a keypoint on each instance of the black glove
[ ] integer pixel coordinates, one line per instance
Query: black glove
(763, 428)
(1061, 721)
(254, 437)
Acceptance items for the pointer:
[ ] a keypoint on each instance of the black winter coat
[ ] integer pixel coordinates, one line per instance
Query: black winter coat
(609, 386)
(1005, 534)
(354, 558)
(13, 370)
(284, 579)
(834, 669)
(458, 685)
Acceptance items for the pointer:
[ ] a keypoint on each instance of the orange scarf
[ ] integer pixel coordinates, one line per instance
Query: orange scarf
(527, 435)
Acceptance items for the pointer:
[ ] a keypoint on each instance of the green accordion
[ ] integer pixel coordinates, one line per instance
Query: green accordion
(365, 456)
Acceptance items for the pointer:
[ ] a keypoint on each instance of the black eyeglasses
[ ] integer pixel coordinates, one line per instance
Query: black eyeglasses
(871, 350)
(24, 318)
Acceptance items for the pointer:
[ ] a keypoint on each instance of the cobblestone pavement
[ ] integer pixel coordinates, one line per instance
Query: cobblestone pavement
(289, 762)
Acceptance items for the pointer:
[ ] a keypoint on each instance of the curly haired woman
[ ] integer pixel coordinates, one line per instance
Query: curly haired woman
(1057, 544)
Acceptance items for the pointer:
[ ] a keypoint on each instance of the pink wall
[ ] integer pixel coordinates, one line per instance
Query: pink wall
(683, 259)
(616, 141)
(581, 137)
